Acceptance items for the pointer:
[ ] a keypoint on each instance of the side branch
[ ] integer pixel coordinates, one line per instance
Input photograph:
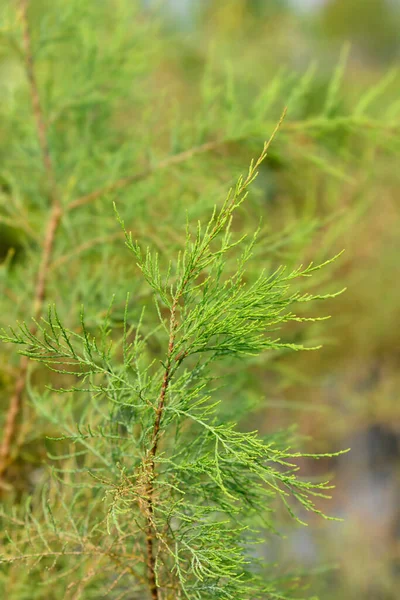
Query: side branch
(15, 405)
(119, 184)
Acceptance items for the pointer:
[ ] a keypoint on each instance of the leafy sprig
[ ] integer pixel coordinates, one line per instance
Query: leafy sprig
(190, 491)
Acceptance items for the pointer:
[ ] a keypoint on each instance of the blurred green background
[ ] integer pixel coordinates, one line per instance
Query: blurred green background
(347, 394)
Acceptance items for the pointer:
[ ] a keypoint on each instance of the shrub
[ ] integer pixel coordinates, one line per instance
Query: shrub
(157, 488)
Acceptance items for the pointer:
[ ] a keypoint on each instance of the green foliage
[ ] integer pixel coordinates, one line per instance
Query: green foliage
(149, 443)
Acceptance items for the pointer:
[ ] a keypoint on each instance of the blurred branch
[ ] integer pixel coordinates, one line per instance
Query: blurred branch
(66, 258)
(317, 123)
(10, 427)
(163, 164)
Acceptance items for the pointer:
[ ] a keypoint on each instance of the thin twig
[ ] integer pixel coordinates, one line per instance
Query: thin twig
(101, 240)
(176, 159)
(89, 245)
(53, 223)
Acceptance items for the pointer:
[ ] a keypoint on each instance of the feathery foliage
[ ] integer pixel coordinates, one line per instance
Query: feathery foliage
(181, 489)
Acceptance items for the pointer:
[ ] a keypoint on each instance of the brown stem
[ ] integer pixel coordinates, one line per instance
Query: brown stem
(150, 530)
(53, 223)
(161, 403)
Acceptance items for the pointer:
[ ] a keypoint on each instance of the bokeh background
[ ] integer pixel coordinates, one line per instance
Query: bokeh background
(347, 394)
